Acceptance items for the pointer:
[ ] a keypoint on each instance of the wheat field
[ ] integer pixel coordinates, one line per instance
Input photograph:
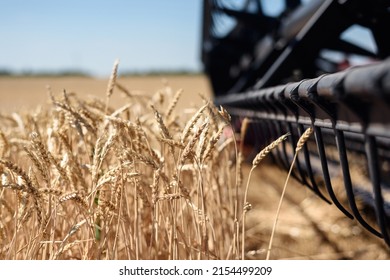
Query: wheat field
(149, 168)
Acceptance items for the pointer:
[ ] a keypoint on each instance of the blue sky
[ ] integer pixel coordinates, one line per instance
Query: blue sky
(43, 35)
(88, 35)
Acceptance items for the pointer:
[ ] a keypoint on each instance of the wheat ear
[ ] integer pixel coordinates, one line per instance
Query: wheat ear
(173, 104)
(111, 83)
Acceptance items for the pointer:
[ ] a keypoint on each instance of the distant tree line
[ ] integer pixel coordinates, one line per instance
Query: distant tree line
(28, 73)
(179, 72)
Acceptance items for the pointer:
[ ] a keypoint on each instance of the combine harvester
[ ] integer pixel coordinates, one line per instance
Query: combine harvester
(289, 65)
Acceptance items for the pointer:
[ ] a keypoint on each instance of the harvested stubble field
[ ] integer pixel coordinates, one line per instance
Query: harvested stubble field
(143, 170)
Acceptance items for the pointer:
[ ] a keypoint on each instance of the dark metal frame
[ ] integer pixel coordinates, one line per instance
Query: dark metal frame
(262, 51)
(348, 110)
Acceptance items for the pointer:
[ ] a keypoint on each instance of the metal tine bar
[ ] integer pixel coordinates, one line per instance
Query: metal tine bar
(332, 89)
(295, 98)
(294, 109)
(340, 143)
(325, 170)
(373, 167)
(348, 183)
(311, 94)
(291, 107)
(370, 145)
(309, 169)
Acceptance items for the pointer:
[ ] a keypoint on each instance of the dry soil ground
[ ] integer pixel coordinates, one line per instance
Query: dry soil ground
(308, 228)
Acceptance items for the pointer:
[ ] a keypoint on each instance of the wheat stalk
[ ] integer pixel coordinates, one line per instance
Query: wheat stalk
(256, 161)
(301, 142)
